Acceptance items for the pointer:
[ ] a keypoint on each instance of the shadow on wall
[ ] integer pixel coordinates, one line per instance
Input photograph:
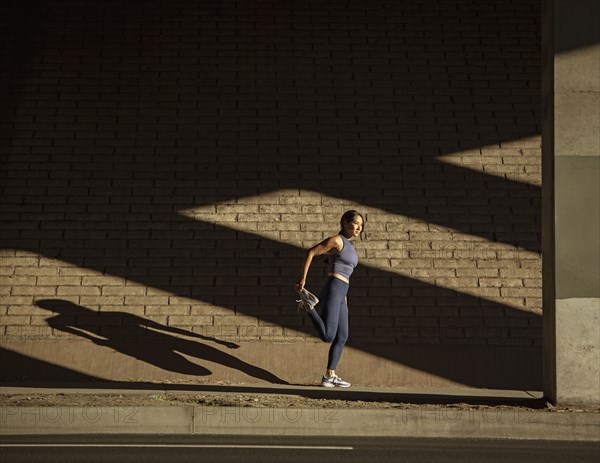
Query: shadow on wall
(113, 329)
(18, 369)
(230, 101)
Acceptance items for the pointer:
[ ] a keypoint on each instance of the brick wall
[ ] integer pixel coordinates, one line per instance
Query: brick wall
(166, 163)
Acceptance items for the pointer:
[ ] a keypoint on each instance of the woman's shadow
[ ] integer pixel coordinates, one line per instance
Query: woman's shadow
(164, 349)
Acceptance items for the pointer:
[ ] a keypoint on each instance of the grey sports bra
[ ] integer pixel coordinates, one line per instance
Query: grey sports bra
(343, 262)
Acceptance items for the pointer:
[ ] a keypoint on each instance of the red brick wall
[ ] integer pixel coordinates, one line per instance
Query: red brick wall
(171, 161)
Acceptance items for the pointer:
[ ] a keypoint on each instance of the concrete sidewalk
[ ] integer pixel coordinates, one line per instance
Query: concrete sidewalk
(374, 394)
(414, 413)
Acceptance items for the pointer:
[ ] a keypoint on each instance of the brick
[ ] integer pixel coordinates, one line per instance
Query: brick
(7, 271)
(189, 320)
(434, 273)
(534, 303)
(411, 263)
(58, 281)
(522, 273)
(476, 272)
(36, 271)
(457, 282)
(20, 300)
(501, 264)
(393, 310)
(146, 300)
(235, 320)
(501, 282)
(422, 236)
(454, 263)
(123, 291)
(89, 301)
(8, 320)
(34, 290)
(100, 280)
(7, 281)
(486, 292)
(371, 321)
(76, 271)
(78, 290)
(152, 310)
(520, 292)
(533, 283)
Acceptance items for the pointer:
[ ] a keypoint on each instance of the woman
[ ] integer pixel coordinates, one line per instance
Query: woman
(332, 323)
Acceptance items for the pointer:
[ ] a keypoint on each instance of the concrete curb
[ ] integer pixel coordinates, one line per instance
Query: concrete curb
(207, 420)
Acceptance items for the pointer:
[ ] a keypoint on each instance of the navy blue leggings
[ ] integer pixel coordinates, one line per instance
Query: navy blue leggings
(332, 324)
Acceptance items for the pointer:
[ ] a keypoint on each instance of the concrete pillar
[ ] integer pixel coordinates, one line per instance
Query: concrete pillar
(571, 200)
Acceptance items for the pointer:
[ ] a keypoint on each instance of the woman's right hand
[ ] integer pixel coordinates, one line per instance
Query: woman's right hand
(300, 285)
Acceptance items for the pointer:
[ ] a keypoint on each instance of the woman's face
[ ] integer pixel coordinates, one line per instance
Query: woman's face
(354, 226)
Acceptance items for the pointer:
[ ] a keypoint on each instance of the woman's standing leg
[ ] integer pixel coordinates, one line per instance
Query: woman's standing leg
(332, 326)
(335, 351)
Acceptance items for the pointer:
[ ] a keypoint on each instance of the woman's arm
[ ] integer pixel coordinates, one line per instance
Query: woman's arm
(327, 246)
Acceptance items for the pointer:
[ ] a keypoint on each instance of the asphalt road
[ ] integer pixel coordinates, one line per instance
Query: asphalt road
(265, 449)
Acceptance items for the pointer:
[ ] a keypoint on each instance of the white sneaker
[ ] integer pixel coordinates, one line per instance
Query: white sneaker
(334, 381)
(307, 299)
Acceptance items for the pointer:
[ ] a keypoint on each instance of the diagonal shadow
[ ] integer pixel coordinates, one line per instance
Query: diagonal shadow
(18, 369)
(108, 328)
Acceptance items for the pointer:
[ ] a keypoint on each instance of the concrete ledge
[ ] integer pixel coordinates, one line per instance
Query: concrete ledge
(205, 420)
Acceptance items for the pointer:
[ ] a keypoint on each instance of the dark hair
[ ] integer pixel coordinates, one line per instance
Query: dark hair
(349, 217)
